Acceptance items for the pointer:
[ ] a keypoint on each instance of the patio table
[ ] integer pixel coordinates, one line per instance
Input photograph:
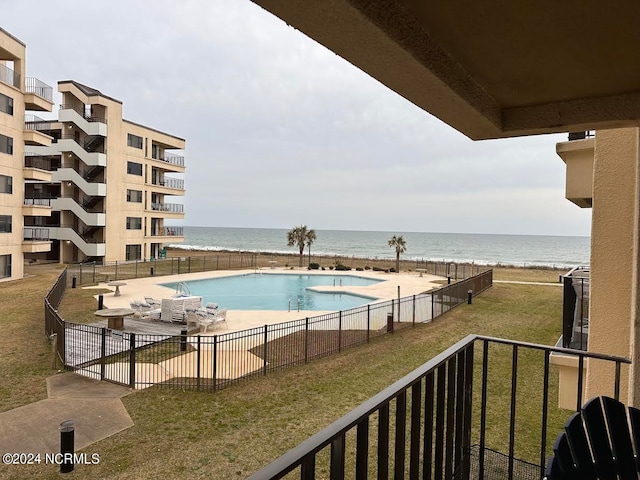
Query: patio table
(117, 285)
(115, 316)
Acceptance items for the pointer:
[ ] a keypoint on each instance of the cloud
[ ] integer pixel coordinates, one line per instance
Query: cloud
(282, 131)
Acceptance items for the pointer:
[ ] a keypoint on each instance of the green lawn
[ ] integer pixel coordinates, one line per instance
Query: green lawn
(233, 432)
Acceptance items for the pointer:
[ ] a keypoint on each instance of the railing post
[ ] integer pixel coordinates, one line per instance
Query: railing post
(266, 337)
(215, 362)
(432, 305)
(198, 365)
(306, 340)
(340, 331)
(368, 322)
(189, 264)
(178, 259)
(132, 360)
(103, 352)
(413, 314)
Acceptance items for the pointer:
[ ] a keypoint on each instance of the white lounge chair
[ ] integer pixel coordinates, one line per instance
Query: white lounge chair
(206, 319)
(152, 301)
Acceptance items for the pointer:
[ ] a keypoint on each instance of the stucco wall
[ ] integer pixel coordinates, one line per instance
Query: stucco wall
(614, 241)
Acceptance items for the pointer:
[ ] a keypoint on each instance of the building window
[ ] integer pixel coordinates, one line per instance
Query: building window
(5, 266)
(134, 223)
(134, 168)
(134, 196)
(5, 223)
(6, 104)
(134, 141)
(134, 252)
(6, 184)
(6, 144)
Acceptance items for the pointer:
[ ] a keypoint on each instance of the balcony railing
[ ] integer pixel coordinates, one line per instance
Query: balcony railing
(575, 308)
(36, 234)
(35, 160)
(42, 202)
(9, 76)
(33, 122)
(41, 89)
(79, 111)
(167, 207)
(172, 159)
(168, 232)
(175, 183)
(581, 135)
(460, 415)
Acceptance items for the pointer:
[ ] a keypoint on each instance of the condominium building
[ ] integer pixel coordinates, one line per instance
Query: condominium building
(19, 95)
(110, 181)
(87, 186)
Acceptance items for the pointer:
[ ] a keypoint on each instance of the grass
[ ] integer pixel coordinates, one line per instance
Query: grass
(232, 433)
(25, 352)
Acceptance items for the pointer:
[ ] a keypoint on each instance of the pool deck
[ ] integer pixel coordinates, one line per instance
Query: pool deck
(410, 283)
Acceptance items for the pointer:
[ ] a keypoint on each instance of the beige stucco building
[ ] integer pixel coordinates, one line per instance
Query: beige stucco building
(19, 96)
(110, 183)
(496, 69)
(86, 186)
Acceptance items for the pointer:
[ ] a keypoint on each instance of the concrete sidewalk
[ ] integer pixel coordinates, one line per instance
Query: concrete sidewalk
(95, 407)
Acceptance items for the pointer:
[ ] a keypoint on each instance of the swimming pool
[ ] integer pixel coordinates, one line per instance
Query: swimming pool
(273, 291)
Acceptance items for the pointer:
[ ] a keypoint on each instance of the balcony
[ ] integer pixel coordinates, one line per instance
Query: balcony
(37, 207)
(169, 158)
(167, 232)
(578, 155)
(38, 96)
(575, 333)
(9, 76)
(37, 167)
(168, 207)
(452, 418)
(32, 133)
(170, 183)
(36, 240)
(575, 311)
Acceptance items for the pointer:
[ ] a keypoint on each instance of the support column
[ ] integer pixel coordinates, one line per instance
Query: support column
(614, 300)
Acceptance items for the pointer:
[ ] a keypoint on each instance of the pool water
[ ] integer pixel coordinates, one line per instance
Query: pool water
(257, 291)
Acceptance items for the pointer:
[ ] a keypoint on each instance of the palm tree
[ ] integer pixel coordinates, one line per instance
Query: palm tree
(400, 246)
(301, 237)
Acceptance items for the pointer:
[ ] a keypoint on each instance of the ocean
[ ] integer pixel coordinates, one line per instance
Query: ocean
(485, 249)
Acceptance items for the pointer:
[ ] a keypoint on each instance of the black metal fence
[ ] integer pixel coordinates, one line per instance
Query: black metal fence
(433, 423)
(54, 325)
(88, 273)
(212, 362)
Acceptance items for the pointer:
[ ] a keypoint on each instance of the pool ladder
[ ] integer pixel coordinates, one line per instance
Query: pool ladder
(182, 289)
(298, 304)
(334, 282)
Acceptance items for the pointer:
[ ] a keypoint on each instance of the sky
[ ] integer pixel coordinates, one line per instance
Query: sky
(281, 131)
